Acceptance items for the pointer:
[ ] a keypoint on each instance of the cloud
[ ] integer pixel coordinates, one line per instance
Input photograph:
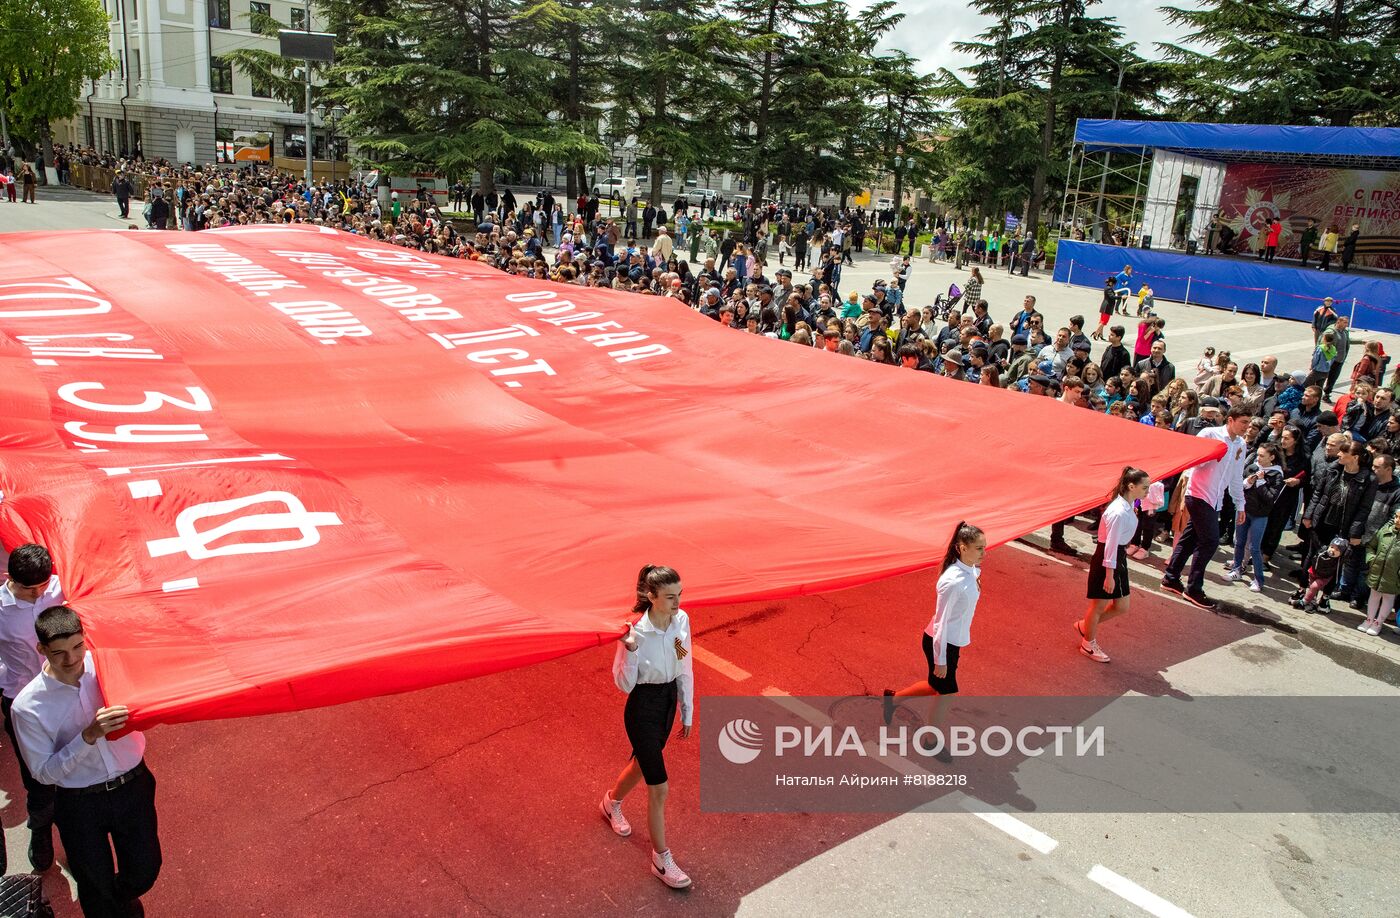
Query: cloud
(930, 28)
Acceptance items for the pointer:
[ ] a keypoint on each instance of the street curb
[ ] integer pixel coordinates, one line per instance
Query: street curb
(1334, 636)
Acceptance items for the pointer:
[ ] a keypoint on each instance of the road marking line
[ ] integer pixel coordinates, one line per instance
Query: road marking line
(1027, 835)
(1124, 888)
(720, 665)
(1031, 550)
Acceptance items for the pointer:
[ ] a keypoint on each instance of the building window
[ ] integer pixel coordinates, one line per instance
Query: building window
(136, 140)
(87, 132)
(218, 15)
(109, 137)
(136, 63)
(294, 144)
(260, 9)
(261, 88)
(220, 75)
(299, 17)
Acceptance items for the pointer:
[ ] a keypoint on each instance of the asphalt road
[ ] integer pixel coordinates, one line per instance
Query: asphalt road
(480, 798)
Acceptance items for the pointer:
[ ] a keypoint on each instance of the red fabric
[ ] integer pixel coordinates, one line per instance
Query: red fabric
(432, 521)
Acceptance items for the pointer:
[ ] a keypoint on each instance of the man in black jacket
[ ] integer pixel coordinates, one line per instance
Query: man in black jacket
(1158, 365)
(121, 187)
(1341, 503)
(1352, 585)
(1115, 356)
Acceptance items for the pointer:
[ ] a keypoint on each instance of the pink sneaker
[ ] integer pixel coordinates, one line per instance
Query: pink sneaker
(612, 812)
(663, 865)
(1091, 650)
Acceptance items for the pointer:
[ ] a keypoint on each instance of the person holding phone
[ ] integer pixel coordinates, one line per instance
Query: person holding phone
(653, 665)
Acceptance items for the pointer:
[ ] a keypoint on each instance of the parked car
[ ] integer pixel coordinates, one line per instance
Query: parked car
(610, 187)
(884, 204)
(700, 195)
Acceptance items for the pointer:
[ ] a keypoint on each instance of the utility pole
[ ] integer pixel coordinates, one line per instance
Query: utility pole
(309, 124)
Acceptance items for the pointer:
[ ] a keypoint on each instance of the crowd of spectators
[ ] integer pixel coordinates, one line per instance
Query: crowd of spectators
(1335, 458)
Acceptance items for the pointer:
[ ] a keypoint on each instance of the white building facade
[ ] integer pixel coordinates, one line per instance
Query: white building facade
(175, 95)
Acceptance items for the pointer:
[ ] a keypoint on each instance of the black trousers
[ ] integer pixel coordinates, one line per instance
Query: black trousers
(92, 826)
(38, 797)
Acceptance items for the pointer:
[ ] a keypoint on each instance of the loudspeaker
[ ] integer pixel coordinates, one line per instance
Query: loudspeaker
(1147, 242)
(1190, 247)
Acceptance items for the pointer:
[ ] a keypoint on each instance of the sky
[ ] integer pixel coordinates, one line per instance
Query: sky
(930, 27)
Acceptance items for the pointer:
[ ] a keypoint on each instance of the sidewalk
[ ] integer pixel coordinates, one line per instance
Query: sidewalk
(1333, 635)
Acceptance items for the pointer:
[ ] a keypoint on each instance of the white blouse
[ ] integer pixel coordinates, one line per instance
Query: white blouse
(1117, 526)
(660, 657)
(958, 591)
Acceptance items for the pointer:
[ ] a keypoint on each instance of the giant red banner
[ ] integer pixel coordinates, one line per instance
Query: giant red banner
(286, 467)
(1254, 194)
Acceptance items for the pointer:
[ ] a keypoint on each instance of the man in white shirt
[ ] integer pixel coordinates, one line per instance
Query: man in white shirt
(106, 797)
(31, 588)
(1204, 495)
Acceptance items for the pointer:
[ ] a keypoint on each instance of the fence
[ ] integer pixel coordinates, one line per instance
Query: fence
(1239, 286)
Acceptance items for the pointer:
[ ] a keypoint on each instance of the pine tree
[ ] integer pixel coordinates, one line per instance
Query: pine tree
(1289, 61)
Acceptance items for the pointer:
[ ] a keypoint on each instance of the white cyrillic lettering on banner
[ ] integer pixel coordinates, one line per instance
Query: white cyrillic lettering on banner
(195, 544)
(199, 400)
(70, 288)
(133, 433)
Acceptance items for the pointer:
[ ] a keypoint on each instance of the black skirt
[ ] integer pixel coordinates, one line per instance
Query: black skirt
(945, 685)
(649, 717)
(1097, 570)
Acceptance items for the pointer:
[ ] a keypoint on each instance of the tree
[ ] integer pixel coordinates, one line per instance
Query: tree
(1335, 62)
(48, 49)
(905, 112)
(769, 31)
(449, 85)
(665, 85)
(987, 162)
(573, 34)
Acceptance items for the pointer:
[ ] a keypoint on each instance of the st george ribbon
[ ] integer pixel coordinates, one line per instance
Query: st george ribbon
(283, 467)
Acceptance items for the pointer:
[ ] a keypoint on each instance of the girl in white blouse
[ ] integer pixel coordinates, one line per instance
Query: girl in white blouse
(950, 629)
(653, 666)
(1108, 570)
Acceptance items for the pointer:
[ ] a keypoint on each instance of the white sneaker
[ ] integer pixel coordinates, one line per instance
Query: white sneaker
(1364, 626)
(612, 812)
(1254, 586)
(1091, 650)
(663, 865)
(1233, 576)
(1374, 630)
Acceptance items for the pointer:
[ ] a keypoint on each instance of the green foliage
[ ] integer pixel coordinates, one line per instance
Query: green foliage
(1289, 62)
(48, 49)
(453, 86)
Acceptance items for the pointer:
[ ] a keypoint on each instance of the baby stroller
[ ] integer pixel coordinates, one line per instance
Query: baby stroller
(944, 302)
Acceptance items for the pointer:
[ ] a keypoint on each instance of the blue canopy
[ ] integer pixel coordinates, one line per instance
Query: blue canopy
(1354, 148)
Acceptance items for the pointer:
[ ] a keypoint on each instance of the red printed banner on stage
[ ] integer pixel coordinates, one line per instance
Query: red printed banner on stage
(287, 467)
(1254, 194)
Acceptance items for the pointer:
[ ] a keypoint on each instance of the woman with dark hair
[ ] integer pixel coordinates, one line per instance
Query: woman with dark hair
(653, 666)
(1108, 569)
(881, 349)
(950, 629)
(1262, 487)
(1295, 462)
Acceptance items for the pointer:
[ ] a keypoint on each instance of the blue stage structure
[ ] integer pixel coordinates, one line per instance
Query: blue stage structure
(1170, 216)
(1235, 284)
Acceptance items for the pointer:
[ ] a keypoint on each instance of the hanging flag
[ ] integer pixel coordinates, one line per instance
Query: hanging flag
(1012, 221)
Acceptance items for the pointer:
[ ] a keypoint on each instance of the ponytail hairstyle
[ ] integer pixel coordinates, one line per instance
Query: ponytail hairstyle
(963, 534)
(1131, 476)
(650, 580)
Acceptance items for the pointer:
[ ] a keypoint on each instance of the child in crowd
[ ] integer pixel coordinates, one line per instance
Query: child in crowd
(1321, 573)
(1147, 509)
(1383, 577)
